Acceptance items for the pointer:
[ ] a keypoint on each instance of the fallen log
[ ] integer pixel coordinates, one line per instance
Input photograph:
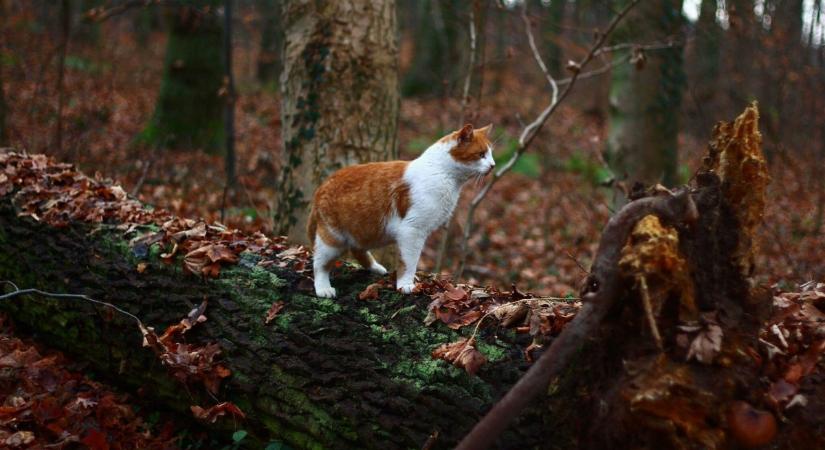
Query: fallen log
(347, 373)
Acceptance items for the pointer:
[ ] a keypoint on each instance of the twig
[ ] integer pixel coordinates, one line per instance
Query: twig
(537, 55)
(599, 294)
(651, 320)
(17, 291)
(581, 267)
(136, 189)
(531, 130)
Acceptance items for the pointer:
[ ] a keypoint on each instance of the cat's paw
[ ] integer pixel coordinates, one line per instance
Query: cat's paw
(378, 269)
(406, 288)
(327, 292)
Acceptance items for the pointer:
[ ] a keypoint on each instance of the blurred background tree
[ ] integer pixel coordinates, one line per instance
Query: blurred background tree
(272, 41)
(645, 95)
(189, 109)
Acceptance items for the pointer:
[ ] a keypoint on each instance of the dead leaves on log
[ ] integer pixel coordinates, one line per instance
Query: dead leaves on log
(188, 363)
(211, 414)
(459, 306)
(59, 195)
(461, 354)
(192, 364)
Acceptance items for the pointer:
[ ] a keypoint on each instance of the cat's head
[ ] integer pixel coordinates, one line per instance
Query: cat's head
(472, 151)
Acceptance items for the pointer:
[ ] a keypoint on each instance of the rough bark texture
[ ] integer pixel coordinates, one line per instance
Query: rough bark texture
(189, 109)
(645, 97)
(340, 96)
(325, 374)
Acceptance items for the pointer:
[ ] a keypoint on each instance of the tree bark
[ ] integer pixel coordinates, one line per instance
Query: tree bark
(340, 96)
(645, 97)
(189, 109)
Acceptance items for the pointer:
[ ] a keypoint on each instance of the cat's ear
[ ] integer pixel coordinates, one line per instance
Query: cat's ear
(465, 134)
(486, 130)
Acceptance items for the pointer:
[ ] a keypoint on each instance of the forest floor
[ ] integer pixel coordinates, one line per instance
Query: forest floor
(538, 228)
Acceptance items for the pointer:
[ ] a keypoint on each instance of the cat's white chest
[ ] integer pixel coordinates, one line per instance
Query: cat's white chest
(433, 197)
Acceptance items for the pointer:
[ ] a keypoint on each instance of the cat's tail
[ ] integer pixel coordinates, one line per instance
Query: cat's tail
(312, 225)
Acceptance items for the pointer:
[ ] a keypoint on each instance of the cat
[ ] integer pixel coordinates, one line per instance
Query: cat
(371, 205)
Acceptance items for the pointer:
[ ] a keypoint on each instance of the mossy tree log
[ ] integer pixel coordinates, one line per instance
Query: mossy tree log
(324, 374)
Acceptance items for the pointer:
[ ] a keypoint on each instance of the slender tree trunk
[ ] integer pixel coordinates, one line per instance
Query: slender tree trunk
(189, 110)
(741, 43)
(428, 73)
(340, 96)
(553, 18)
(4, 137)
(65, 24)
(780, 91)
(645, 97)
(272, 41)
(706, 50)
(229, 85)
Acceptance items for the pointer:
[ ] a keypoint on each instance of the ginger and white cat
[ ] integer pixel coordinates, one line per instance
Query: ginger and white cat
(366, 206)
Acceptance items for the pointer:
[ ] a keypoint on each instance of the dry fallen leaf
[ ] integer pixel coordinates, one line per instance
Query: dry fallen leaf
(273, 311)
(212, 414)
(461, 354)
(706, 345)
(371, 292)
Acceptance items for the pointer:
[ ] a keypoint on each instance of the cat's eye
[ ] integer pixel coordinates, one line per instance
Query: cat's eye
(481, 154)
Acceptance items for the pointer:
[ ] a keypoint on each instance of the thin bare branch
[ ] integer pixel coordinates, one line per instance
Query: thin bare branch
(537, 55)
(532, 129)
(17, 291)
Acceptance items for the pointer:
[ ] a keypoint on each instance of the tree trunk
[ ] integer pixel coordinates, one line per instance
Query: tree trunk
(272, 41)
(229, 103)
(65, 29)
(340, 96)
(189, 109)
(705, 62)
(645, 97)
(552, 27)
(440, 50)
(4, 136)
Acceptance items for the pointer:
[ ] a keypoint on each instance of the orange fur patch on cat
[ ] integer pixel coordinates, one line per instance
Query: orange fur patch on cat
(354, 200)
(362, 207)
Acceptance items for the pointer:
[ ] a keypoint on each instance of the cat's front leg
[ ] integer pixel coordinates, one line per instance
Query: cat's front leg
(410, 244)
